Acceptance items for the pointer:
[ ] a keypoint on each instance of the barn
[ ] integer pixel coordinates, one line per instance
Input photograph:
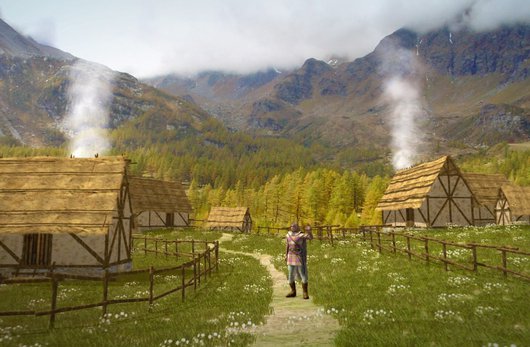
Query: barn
(229, 218)
(485, 188)
(513, 205)
(432, 194)
(74, 214)
(159, 204)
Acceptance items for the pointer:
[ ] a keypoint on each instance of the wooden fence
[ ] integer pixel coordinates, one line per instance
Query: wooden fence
(199, 267)
(387, 240)
(329, 233)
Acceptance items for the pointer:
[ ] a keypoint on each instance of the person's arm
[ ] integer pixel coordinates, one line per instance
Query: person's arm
(286, 249)
(308, 233)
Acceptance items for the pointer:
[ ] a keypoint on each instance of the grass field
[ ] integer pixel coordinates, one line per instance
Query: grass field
(223, 311)
(387, 300)
(379, 299)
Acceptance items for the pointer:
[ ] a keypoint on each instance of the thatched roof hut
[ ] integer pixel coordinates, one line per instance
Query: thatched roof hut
(513, 204)
(430, 194)
(485, 188)
(71, 212)
(229, 218)
(158, 203)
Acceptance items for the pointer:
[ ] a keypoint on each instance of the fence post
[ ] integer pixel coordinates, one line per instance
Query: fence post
(176, 250)
(394, 241)
(205, 269)
(151, 284)
(379, 241)
(210, 262)
(371, 238)
(55, 285)
(217, 256)
(156, 247)
(165, 247)
(183, 272)
(444, 245)
(504, 262)
(105, 290)
(408, 247)
(145, 244)
(199, 265)
(427, 258)
(194, 272)
(474, 250)
(192, 246)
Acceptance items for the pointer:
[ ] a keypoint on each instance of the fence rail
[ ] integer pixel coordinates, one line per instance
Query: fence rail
(387, 240)
(329, 233)
(200, 265)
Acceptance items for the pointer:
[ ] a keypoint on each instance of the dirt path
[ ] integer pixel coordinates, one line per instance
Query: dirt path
(294, 321)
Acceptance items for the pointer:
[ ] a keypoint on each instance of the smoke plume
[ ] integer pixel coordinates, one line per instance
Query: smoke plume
(400, 69)
(90, 94)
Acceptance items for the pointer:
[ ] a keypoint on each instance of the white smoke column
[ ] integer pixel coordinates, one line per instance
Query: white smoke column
(87, 118)
(406, 109)
(400, 69)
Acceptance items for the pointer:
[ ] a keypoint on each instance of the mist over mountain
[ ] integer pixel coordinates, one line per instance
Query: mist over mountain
(474, 90)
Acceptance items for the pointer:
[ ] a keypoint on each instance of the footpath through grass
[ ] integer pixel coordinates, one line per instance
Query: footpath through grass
(387, 300)
(225, 310)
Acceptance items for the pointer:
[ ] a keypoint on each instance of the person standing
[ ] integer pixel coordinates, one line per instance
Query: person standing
(296, 257)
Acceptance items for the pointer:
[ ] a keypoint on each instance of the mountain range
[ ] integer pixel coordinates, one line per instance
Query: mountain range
(474, 91)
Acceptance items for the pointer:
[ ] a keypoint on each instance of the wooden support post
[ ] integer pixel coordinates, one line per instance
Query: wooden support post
(194, 272)
(371, 238)
(199, 267)
(55, 285)
(379, 241)
(205, 268)
(145, 244)
(504, 263)
(165, 247)
(393, 241)
(183, 274)
(105, 291)
(427, 258)
(209, 262)
(192, 246)
(216, 256)
(408, 247)
(156, 246)
(474, 250)
(444, 245)
(330, 231)
(177, 249)
(151, 283)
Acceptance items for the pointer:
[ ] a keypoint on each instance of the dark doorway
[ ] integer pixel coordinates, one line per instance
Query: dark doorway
(170, 219)
(410, 217)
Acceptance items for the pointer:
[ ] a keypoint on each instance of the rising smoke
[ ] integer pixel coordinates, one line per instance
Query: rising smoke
(90, 95)
(400, 69)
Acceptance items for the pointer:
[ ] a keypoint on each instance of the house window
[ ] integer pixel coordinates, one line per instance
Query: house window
(37, 249)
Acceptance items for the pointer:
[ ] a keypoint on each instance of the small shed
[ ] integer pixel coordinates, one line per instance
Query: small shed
(431, 194)
(485, 188)
(513, 205)
(159, 204)
(229, 218)
(73, 213)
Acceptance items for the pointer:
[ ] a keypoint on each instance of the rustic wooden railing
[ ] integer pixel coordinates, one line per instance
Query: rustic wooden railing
(200, 267)
(329, 233)
(387, 240)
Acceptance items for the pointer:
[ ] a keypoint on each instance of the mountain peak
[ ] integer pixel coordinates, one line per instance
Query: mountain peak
(15, 45)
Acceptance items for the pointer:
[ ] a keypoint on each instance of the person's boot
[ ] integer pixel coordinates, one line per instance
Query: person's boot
(306, 294)
(292, 294)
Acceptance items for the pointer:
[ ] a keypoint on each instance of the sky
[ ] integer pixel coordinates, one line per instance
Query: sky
(155, 37)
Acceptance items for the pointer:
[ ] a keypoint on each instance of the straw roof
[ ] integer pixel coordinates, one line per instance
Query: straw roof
(59, 195)
(485, 187)
(221, 217)
(518, 199)
(409, 187)
(149, 194)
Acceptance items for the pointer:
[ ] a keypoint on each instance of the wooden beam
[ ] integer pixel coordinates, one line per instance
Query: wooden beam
(439, 211)
(10, 252)
(87, 248)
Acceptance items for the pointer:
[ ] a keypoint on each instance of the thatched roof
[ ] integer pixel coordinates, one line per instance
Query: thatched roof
(518, 199)
(149, 194)
(221, 217)
(59, 195)
(485, 187)
(409, 187)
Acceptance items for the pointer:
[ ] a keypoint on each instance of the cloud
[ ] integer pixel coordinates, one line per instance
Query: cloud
(147, 38)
